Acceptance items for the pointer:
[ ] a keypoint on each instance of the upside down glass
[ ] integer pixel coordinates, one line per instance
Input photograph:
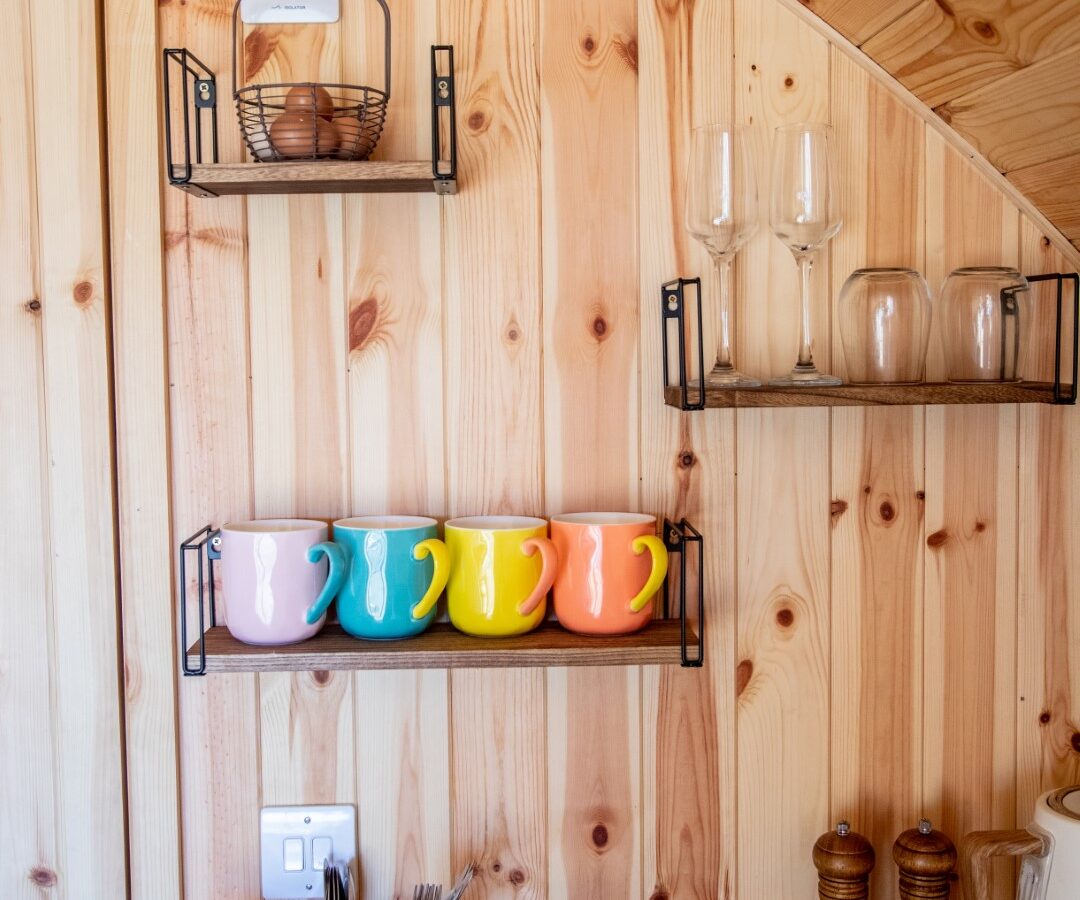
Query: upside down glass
(721, 213)
(984, 317)
(804, 214)
(885, 325)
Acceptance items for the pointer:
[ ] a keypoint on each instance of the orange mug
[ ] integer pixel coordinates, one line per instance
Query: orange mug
(606, 581)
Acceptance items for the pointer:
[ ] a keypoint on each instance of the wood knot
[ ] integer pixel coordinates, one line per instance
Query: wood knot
(1044, 717)
(837, 508)
(513, 332)
(984, 29)
(588, 44)
(789, 82)
(600, 328)
(477, 121)
(362, 319)
(496, 866)
(659, 894)
(867, 489)
(920, 495)
(1045, 241)
(743, 673)
(887, 511)
(945, 113)
(517, 877)
(687, 459)
(785, 617)
(1075, 741)
(43, 876)
(753, 67)
(83, 293)
(980, 527)
(258, 48)
(320, 677)
(938, 538)
(32, 306)
(627, 51)
(600, 836)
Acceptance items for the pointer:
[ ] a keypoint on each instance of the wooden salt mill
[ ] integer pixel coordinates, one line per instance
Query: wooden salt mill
(844, 861)
(926, 859)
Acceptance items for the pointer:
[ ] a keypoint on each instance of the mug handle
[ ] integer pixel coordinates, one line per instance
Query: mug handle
(436, 549)
(550, 557)
(656, 547)
(338, 570)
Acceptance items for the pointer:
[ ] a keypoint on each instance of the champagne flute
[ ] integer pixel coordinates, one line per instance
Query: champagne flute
(722, 213)
(804, 216)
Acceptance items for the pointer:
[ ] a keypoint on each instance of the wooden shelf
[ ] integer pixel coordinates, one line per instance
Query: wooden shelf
(442, 647)
(869, 395)
(315, 177)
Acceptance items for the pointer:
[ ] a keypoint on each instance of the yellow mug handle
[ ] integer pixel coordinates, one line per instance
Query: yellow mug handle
(436, 549)
(550, 557)
(656, 547)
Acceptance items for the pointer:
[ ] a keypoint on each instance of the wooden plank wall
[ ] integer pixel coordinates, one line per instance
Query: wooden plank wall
(893, 615)
(62, 818)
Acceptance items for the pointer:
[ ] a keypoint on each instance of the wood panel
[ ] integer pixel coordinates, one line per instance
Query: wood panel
(877, 495)
(493, 419)
(396, 455)
(782, 501)
(142, 450)
(941, 51)
(970, 534)
(28, 821)
(588, 71)
(858, 20)
(84, 678)
(1027, 118)
(1048, 615)
(687, 467)
(1054, 187)
(209, 406)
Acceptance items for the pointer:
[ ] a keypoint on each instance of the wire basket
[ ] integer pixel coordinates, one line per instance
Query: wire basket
(309, 120)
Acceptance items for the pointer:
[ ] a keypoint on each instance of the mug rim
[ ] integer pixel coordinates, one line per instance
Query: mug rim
(385, 523)
(496, 523)
(270, 526)
(601, 519)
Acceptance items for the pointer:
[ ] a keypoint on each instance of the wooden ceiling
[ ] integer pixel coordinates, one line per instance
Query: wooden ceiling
(1004, 73)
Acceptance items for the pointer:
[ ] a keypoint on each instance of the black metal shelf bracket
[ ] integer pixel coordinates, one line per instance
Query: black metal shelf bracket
(205, 547)
(198, 89)
(673, 309)
(678, 536)
(443, 97)
(1064, 394)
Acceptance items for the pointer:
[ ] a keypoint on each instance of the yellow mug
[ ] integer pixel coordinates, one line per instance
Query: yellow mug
(501, 569)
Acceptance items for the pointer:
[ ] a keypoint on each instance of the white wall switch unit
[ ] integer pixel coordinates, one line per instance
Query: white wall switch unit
(297, 841)
(268, 12)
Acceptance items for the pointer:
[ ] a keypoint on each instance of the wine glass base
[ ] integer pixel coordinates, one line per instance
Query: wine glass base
(728, 377)
(805, 376)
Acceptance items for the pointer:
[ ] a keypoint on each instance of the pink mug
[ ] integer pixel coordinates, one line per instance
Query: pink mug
(275, 581)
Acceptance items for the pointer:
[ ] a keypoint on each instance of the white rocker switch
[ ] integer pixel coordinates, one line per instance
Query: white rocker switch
(322, 849)
(294, 854)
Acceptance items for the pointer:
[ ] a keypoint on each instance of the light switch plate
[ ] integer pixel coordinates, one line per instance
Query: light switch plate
(266, 12)
(314, 826)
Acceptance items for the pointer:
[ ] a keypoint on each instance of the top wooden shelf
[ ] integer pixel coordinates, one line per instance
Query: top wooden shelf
(867, 395)
(315, 177)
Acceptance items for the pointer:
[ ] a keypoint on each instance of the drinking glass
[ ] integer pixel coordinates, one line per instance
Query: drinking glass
(722, 213)
(804, 215)
(984, 324)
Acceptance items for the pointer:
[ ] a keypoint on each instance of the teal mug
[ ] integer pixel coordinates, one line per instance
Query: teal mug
(396, 570)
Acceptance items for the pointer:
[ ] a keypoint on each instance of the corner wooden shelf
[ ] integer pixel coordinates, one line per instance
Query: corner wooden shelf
(442, 647)
(315, 177)
(866, 395)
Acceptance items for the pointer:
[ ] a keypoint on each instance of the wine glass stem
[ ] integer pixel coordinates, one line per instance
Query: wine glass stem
(723, 338)
(806, 265)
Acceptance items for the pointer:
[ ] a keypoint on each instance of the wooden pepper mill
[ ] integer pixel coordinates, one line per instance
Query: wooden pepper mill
(926, 859)
(844, 861)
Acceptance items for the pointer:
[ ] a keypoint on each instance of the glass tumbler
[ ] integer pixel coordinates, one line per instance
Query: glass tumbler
(885, 326)
(982, 329)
